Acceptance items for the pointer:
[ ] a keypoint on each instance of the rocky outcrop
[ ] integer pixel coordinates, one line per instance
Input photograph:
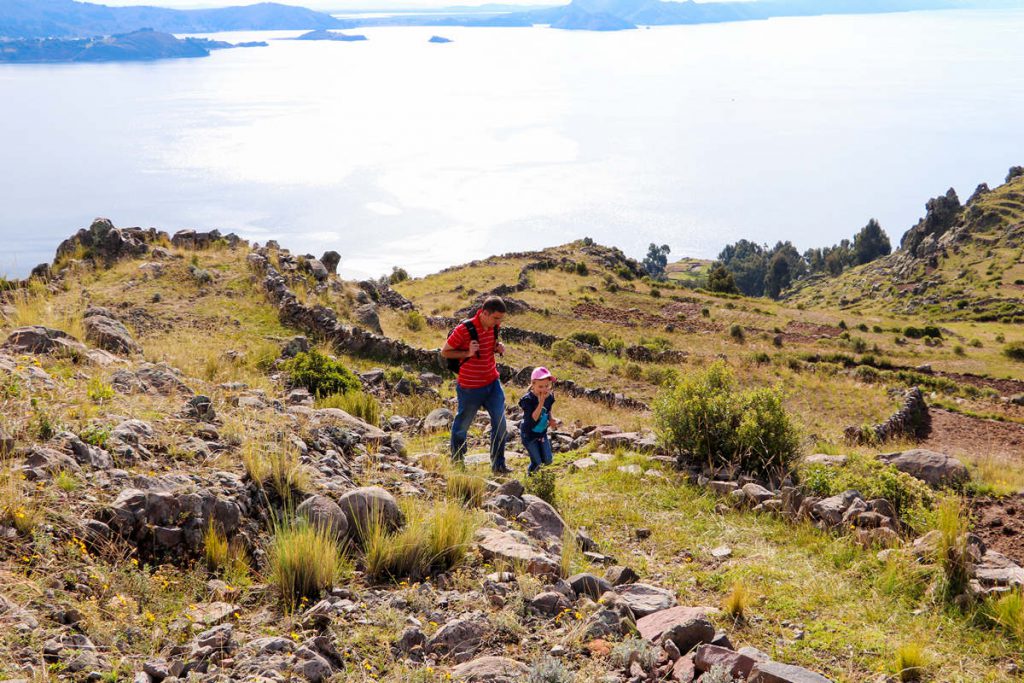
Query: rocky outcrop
(172, 523)
(942, 214)
(39, 339)
(108, 333)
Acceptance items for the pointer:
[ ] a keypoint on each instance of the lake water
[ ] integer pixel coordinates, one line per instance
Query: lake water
(397, 151)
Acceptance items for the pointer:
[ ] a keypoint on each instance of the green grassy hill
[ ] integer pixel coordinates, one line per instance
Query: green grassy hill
(210, 322)
(959, 263)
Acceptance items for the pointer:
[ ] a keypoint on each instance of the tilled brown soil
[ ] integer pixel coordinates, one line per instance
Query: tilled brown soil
(1000, 523)
(961, 435)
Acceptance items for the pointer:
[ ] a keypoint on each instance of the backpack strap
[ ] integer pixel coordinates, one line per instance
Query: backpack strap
(471, 328)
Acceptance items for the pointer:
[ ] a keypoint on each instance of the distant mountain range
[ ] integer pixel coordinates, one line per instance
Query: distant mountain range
(613, 15)
(137, 46)
(66, 18)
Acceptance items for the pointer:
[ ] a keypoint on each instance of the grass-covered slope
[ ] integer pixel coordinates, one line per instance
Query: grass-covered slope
(959, 263)
(813, 598)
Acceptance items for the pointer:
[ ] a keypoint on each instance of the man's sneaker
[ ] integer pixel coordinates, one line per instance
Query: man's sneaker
(502, 470)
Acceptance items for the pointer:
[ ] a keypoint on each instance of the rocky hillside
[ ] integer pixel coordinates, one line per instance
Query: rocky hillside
(962, 261)
(220, 461)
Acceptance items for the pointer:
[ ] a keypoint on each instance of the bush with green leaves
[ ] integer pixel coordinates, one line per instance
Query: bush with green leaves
(542, 484)
(320, 374)
(415, 321)
(707, 420)
(591, 338)
(1014, 350)
(563, 350)
(910, 497)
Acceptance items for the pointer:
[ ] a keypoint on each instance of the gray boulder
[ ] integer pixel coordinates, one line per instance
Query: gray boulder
(933, 468)
(774, 672)
(543, 523)
(588, 584)
(109, 334)
(686, 627)
(491, 670)
(644, 599)
(439, 419)
(363, 505)
(39, 339)
(331, 259)
(459, 638)
(323, 512)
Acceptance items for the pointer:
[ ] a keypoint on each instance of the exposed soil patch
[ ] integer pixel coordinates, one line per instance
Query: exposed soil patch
(796, 329)
(971, 437)
(1000, 523)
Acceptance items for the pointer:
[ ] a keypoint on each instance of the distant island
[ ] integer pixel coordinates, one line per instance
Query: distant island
(68, 19)
(21, 19)
(137, 46)
(439, 39)
(331, 35)
(616, 15)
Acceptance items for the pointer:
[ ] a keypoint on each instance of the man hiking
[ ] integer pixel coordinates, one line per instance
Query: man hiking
(473, 344)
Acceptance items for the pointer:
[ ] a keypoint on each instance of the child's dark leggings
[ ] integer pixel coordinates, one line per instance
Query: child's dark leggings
(540, 453)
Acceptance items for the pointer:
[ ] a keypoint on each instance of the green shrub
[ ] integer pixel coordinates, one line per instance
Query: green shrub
(928, 331)
(99, 391)
(584, 359)
(1014, 350)
(587, 338)
(320, 374)
(415, 321)
(95, 435)
(866, 373)
(547, 669)
(364, 406)
(707, 420)
(542, 484)
(911, 498)
(581, 268)
(632, 371)
(613, 345)
(737, 333)
(661, 376)
(563, 350)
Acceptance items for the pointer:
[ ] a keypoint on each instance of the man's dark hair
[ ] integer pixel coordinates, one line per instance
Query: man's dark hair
(494, 304)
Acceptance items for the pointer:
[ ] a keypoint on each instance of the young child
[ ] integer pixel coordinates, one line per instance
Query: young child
(536, 405)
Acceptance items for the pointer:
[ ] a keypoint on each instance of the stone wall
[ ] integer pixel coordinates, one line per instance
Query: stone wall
(912, 420)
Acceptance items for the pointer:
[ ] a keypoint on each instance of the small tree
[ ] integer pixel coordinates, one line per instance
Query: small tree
(656, 260)
(871, 243)
(721, 280)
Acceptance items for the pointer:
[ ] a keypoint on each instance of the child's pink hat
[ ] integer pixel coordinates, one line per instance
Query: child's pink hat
(540, 373)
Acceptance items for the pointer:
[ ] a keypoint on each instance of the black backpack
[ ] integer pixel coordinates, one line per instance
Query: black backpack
(455, 363)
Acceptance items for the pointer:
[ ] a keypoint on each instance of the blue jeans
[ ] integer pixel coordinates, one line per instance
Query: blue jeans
(492, 399)
(540, 452)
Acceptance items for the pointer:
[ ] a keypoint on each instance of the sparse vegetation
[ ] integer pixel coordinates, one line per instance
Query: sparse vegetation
(305, 560)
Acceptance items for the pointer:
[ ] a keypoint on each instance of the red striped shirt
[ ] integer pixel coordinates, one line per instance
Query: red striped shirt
(480, 370)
